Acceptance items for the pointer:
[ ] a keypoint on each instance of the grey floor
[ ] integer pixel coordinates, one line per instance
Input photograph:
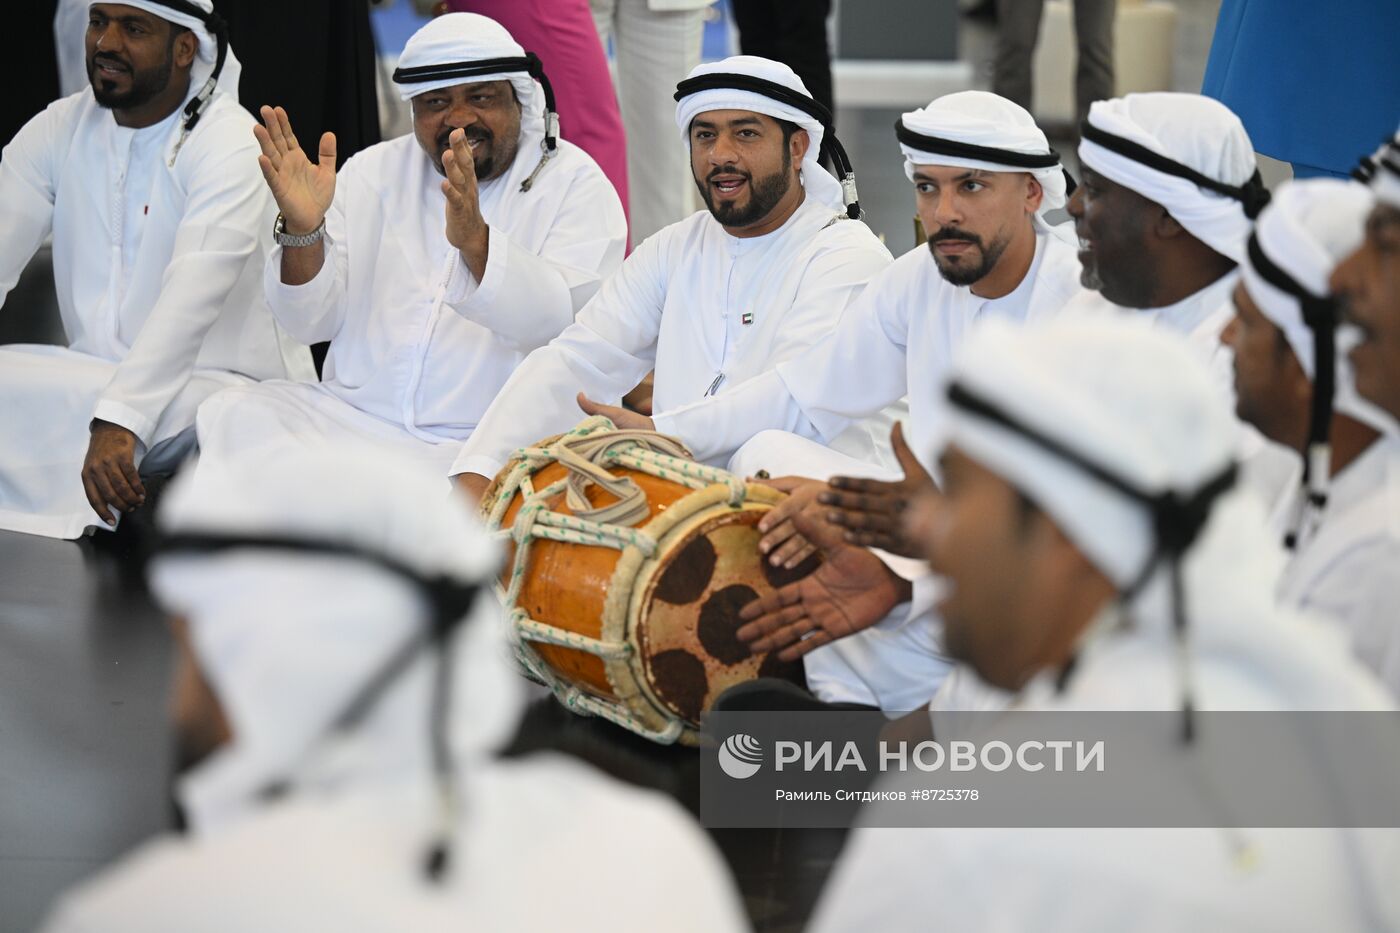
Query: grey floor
(83, 654)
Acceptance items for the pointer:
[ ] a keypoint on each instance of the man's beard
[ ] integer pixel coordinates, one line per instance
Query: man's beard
(970, 274)
(145, 85)
(764, 195)
(485, 167)
(1089, 277)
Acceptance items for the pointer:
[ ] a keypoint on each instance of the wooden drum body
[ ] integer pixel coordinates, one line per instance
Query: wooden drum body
(633, 618)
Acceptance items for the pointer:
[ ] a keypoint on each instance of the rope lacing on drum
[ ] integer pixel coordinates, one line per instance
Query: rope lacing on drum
(586, 453)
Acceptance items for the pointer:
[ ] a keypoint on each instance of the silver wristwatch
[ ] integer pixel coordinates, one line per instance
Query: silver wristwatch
(283, 238)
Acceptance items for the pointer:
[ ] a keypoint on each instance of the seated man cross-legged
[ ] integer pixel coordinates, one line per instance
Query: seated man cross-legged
(148, 182)
(433, 263)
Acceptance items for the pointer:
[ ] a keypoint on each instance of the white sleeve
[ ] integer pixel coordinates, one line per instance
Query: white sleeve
(226, 204)
(28, 184)
(314, 311)
(604, 353)
(1360, 592)
(860, 368)
(526, 299)
(815, 390)
(716, 426)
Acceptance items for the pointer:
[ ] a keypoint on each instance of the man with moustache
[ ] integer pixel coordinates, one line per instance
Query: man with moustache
(984, 176)
(1344, 523)
(1164, 209)
(721, 297)
(146, 181)
(1099, 560)
(1169, 195)
(433, 263)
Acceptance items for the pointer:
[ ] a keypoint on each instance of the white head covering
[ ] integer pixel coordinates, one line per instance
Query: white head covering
(1132, 399)
(286, 638)
(468, 37)
(1115, 426)
(979, 118)
(208, 45)
(1382, 172)
(1138, 403)
(1197, 133)
(817, 180)
(1309, 227)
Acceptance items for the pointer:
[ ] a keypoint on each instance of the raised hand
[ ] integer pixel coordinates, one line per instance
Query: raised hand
(303, 189)
(466, 228)
(871, 511)
(621, 417)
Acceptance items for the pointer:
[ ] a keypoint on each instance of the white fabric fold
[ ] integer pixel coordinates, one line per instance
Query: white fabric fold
(1195, 131)
(818, 181)
(1386, 182)
(208, 46)
(286, 639)
(980, 118)
(1146, 411)
(1309, 227)
(469, 37)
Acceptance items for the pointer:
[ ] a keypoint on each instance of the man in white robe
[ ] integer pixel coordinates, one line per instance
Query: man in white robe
(982, 260)
(1169, 194)
(1065, 445)
(984, 177)
(340, 693)
(147, 181)
(720, 297)
(1368, 285)
(433, 263)
(1293, 385)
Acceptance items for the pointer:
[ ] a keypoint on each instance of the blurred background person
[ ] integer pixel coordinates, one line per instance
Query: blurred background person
(656, 44)
(1018, 30)
(794, 34)
(1315, 84)
(341, 688)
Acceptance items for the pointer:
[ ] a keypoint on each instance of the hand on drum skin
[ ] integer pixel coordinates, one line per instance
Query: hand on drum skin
(850, 591)
(109, 471)
(871, 511)
(303, 190)
(473, 486)
(619, 416)
(790, 527)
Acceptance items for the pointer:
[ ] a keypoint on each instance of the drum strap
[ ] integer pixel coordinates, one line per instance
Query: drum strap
(586, 456)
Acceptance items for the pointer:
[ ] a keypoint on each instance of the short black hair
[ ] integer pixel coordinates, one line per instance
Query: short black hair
(788, 128)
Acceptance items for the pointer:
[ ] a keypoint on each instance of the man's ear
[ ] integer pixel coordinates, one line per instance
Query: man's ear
(1035, 193)
(1165, 226)
(186, 48)
(798, 146)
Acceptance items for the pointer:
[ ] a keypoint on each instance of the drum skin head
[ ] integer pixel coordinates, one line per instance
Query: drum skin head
(686, 631)
(639, 627)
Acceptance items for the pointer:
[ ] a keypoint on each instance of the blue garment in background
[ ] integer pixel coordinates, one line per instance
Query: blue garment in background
(1316, 82)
